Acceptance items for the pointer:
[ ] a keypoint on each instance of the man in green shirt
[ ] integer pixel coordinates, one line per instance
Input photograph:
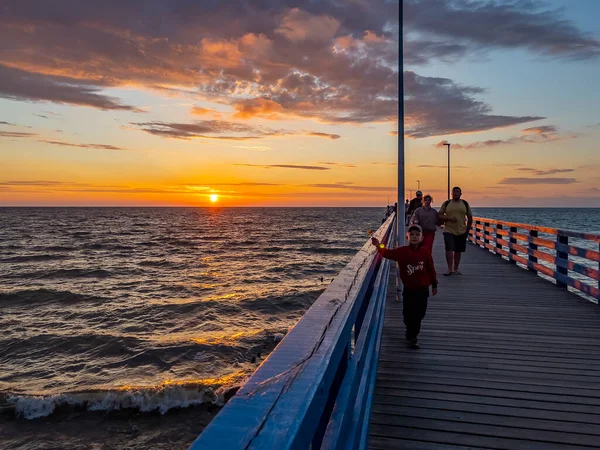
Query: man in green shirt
(458, 218)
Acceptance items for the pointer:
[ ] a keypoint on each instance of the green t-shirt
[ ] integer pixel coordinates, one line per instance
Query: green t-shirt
(460, 210)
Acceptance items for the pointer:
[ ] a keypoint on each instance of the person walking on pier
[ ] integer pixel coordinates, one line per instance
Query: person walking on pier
(427, 218)
(458, 218)
(417, 273)
(415, 203)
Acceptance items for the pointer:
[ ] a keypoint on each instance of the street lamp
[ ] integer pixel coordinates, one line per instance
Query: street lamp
(448, 145)
(419, 185)
(401, 187)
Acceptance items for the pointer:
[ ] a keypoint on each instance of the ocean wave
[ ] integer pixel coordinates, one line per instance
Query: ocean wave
(37, 296)
(72, 273)
(33, 258)
(328, 250)
(156, 263)
(161, 398)
(51, 345)
(53, 248)
(274, 304)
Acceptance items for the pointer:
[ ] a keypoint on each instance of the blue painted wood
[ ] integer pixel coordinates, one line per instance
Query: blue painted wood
(361, 434)
(337, 431)
(282, 404)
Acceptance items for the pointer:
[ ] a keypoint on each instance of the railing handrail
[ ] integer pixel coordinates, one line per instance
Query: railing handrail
(548, 230)
(287, 402)
(502, 238)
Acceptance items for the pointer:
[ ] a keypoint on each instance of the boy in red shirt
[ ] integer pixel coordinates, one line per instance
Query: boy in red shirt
(417, 272)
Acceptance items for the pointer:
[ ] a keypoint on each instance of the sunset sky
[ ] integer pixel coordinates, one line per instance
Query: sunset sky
(293, 103)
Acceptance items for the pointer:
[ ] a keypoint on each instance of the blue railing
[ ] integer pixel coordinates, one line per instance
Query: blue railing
(315, 389)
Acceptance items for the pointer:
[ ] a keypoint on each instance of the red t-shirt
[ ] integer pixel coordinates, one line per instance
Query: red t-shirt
(416, 266)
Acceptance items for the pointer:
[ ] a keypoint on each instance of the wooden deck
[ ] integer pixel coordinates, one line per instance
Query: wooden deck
(507, 361)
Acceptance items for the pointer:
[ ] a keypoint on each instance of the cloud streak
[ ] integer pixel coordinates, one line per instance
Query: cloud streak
(350, 186)
(18, 84)
(534, 135)
(545, 171)
(529, 181)
(284, 166)
(220, 129)
(16, 134)
(93, 146)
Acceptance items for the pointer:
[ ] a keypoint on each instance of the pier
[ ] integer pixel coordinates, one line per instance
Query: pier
(510, 355)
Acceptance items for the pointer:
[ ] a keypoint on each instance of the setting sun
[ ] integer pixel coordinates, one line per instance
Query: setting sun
(214, 198)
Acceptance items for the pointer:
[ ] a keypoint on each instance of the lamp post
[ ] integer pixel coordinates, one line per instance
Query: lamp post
(419, 185)
(448, 145)
(401, 187)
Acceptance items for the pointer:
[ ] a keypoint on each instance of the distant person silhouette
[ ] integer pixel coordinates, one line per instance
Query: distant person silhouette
(415, 203)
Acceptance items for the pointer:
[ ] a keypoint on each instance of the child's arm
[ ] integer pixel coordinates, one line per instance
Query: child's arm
(392, 254)
(432, 274)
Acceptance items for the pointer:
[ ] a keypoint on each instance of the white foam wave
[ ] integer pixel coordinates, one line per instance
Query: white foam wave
(148, 399)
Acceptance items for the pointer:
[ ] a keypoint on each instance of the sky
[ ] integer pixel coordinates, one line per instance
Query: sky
(294, 103)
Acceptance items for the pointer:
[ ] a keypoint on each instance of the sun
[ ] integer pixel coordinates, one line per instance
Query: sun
(214, 198)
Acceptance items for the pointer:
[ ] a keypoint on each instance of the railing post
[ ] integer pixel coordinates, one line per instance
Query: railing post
(476, 240)
(486, 233)
(498, 236)
(564, 256)
(512, 240)
(532, 246)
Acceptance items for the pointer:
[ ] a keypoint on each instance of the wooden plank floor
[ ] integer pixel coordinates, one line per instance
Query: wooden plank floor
(507, 361)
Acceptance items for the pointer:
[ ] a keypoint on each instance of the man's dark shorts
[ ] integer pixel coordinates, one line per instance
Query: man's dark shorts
(455, 243)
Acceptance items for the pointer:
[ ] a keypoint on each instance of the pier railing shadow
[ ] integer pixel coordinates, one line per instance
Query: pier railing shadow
(571, 259)
(315, 389)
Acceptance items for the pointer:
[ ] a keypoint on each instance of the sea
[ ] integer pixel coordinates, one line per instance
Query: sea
(131, 327)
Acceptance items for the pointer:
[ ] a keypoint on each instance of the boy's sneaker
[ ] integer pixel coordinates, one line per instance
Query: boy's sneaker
(412, 343)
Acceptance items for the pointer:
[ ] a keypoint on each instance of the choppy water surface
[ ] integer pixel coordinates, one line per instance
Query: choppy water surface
(147, 309)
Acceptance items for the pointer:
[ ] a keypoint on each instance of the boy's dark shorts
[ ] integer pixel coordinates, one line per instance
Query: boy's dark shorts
(455, 243)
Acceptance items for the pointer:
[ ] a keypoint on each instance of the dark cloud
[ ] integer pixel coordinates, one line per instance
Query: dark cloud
(21, 85)
(457, 28)
(284, 166)
(524, 181)
(324, 135)
(220, 129)
(333, 61)
(545, 129)
(42, 116)
(7, 123)
(94, 146)
(438, 106)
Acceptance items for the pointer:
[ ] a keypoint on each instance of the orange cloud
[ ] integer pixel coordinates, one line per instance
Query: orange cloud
(199, 111)
(258, 107)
